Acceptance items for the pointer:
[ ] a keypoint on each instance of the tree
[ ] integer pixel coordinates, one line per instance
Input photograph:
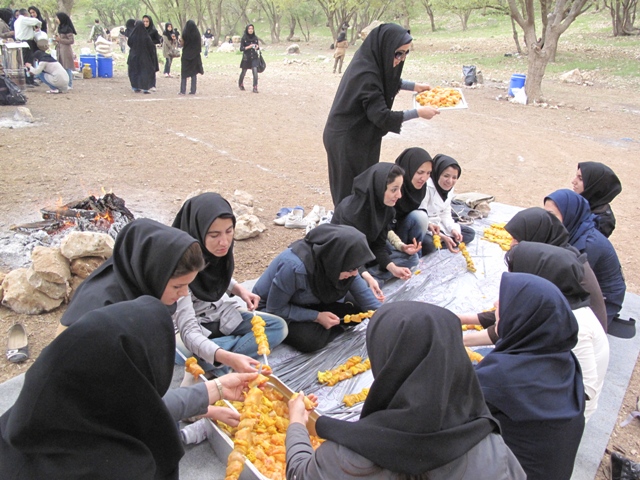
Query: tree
(367, 13)
(65, 6)
(428, 5)
(338, 13)
(556, 17)
(623, 16)
(273, 10)
(461, 8)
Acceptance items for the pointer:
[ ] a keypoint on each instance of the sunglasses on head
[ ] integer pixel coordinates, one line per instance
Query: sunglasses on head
(400, 54)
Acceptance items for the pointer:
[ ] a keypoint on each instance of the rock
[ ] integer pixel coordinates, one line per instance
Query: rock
(574, 76)
(236, 39)
(21, 297)
(294, 39)
(57, 291)
(23, 114)
(74, 283)
(226, 48)
(87, 244)
(248, 226)
(50, 265)
(2, 275)
(365, 31)
(83, 266)
(243, 198)
(240, 209)
(293, 48)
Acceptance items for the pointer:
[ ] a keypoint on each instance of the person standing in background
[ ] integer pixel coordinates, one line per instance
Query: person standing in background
(169, 44)
(341, 51)
(96, 31)
(207, 40)
(24, 31)
(249, 47)
(35, 13)
(64, 39)
(191, 61)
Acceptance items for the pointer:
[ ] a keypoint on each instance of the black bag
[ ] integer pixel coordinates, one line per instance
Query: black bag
(10, 94)
(469, 72)
(262, 65)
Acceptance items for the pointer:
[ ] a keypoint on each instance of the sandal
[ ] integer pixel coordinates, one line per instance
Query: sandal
(17, 345)
(465, 220)
(474, 214)
(53, 91)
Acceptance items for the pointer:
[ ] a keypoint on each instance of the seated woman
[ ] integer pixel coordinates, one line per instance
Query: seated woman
(411, 222)
(106, 375)
(50, 72)
(424, 417)
(574, 212)
(531, 381)
(211, 326)
(437, 203)
(370, 209)
(535, 224)
(599, 185)
(565, 270)
(307, 284)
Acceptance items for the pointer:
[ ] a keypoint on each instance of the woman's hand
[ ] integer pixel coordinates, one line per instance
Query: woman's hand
(237, 361)
(412, 248)
(399, 272)
(223, 414)
(434, 229)
(327, 319)
(374, 286)
(297, 411)
(450, 244)
(251, 299)
(421, 87)
(457, 236)
(427, 112)
(234, 384)
(27, 64)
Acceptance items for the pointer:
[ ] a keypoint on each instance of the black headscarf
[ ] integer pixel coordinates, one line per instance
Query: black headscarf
(195, 217)
(167, 33)
(66, 25)
(535, 224)
(411, 160)
(144, 258)
(44, 57)
(364, 209)
(342, 36)
(531, 375)
(152, 31)
(425, 407)
(328, 250)
(576, 216)
(562, 267)
(104, 377)
(6, 15)
(208, 33)
(43, 27)
(601, 184)
(131, 23)
(440, 164)
(249, 37)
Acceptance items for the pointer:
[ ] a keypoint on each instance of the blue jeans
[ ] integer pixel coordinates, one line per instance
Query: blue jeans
(412, 226)
(400, 259)
(70, 73)
(42, 78)
(242, 340)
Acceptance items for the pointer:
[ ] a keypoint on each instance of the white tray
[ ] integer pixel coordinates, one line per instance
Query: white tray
(459, 106)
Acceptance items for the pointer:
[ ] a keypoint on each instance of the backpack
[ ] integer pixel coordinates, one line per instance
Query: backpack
(469, 73)
(10, 94)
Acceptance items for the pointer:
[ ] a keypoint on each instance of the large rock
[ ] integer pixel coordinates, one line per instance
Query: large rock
(248, 226)
(227, 47)
(50, 289)
(293, 48)
(365, 31)
(50, 265)
(23, 114)
(2, 275)
(245, 198)
(21, 297)
(573, 76)
(74, 283)
(236, 39)
(84, 266)
(240, 209)
(87, 244)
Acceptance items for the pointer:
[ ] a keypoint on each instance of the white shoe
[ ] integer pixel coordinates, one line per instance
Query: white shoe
(295, 220)
(315, 215)
(281, 220)
(310, 226)
(326, 218)
(194, 433)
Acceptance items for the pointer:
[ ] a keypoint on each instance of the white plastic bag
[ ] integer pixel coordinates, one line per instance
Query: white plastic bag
(519, 96)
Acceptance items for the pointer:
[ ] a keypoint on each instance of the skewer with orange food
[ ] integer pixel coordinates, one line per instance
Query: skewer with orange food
(350, 368)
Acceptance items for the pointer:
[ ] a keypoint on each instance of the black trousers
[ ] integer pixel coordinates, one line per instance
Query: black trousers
(254, 70)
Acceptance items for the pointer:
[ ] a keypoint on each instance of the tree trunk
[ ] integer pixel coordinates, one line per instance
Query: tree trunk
(65, 6)
(292, 27)
(515, 36)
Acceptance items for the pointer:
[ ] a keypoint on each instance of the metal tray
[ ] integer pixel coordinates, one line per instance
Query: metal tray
(460, 106)
(222, 445)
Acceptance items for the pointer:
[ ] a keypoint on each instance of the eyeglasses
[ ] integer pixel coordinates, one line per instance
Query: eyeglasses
(401, 54)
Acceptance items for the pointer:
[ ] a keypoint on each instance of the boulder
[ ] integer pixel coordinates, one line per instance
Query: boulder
(236, 39)
(23, 114)
(74, 283)
(248, 226)
(21, 297)
(242, 197)
(50, 289)
(226, 47)
(84, 266)
(240, 209)
(293, 49)
(50, 265)
(365, 31)
(87, 244)
(2, 275)
(295, 38)
(573, 76)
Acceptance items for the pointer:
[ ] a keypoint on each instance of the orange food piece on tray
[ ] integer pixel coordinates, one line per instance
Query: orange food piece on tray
(308, 403)
(191, 366)
(440, 97)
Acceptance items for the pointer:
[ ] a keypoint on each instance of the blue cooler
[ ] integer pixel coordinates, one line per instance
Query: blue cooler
(105, 67)
(92, 60)
(517, 81)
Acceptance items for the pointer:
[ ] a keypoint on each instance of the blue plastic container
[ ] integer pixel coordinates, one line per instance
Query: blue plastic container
(105, 67)
(517, 81)
(92, 60)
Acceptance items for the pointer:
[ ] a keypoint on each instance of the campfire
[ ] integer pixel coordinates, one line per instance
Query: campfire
(105, 214)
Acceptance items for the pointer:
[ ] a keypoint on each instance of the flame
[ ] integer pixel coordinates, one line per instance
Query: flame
(104, 216)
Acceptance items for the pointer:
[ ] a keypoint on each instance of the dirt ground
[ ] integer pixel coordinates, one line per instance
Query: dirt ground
(154, 150)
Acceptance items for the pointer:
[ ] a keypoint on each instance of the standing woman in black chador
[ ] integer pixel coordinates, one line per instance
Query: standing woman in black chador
(249, 47)
(191, 60)
(142, 60)
(156, 39)
(361, 112)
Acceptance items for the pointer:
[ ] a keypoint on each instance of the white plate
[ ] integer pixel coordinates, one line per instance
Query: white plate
(462, 104)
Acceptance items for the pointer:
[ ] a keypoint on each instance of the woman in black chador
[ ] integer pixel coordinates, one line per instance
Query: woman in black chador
(191, 61)
(249, 47)
(143, 60)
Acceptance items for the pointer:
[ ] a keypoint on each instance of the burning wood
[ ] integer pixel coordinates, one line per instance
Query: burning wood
(90, 213)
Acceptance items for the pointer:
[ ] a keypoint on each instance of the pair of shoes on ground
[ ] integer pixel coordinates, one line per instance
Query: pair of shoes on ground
(281, 216)
(17, 344)
(295, 219)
